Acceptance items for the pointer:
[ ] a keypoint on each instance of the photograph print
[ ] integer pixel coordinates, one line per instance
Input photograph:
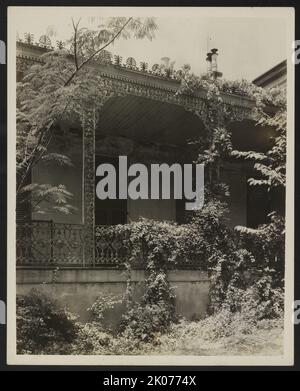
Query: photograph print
(150, 194)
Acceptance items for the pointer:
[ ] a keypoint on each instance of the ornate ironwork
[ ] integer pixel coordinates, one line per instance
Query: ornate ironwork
(111, 248)
(127, 84)
(44, 243)
(144, 66)
(29, 37)
(45, 41)
(88, 125)
(118, 60)
(67, 243)
(131, 63)
(155, 68)
(60, 45)
(105, 57)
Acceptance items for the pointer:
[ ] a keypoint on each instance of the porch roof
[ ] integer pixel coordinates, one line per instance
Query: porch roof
(121, 74)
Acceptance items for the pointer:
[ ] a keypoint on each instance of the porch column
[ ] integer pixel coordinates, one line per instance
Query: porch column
(88, 186)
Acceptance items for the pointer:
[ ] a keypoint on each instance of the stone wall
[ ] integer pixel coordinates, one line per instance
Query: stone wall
(79, 288)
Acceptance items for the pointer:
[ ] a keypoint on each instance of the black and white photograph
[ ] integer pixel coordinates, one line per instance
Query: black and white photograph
(150, 185)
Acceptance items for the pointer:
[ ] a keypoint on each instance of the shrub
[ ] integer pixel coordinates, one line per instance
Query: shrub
(42, 325)
(152, 246)
(91, 339)
(103, 307)
(145, 321)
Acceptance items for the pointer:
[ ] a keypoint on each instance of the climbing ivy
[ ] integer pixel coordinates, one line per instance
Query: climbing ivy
(261, 250)
(156, 248)
(246, 266)
(242, 263)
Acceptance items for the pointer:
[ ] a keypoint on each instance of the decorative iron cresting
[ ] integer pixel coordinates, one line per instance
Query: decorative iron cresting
(151, 84)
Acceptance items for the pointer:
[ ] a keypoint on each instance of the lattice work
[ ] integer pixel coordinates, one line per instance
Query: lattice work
(33, 243)
(111, 248)
(45, 243)
(68, 244)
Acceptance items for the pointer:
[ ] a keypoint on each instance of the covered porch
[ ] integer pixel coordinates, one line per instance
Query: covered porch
(148, 124)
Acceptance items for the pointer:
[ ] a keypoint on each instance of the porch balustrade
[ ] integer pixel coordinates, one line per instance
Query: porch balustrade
(46, 244)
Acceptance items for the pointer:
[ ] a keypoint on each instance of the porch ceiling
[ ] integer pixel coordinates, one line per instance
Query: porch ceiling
(144, 119)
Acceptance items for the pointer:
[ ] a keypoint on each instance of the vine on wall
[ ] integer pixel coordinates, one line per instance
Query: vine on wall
(243, 264)
(256, 253)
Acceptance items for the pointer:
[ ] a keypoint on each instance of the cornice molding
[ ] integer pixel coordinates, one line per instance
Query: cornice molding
(122, 80)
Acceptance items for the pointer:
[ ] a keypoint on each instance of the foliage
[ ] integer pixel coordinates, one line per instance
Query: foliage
(151, 245)
(87, 42)
(106, 312)
(102, 305)
(42, 325)
(143, 321)
(46, 198)
(271, 165)
(221, 335)
(160, 245)
(256, 253)
(60, 86)
(225, 333)
(156, 247)
(267, 242)
(91, 339)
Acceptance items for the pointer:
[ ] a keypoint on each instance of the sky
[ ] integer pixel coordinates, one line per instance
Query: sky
(249, 43)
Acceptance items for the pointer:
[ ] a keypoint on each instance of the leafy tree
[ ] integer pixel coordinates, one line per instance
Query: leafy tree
(63, 86)
(260, 251)
(268, 240)
(271, 165)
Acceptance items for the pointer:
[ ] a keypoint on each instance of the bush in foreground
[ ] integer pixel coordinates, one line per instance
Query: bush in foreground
(45, 328)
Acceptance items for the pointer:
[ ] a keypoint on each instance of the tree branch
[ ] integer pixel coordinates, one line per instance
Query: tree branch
(75, 26)
(97, 52)
(78, 67)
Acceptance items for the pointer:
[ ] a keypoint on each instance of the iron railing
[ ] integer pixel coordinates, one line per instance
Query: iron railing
(46, 243)
(111, 247)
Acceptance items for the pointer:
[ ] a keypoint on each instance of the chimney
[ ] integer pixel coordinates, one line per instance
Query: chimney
(212, 64)
(214, 60)
(209, 63)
